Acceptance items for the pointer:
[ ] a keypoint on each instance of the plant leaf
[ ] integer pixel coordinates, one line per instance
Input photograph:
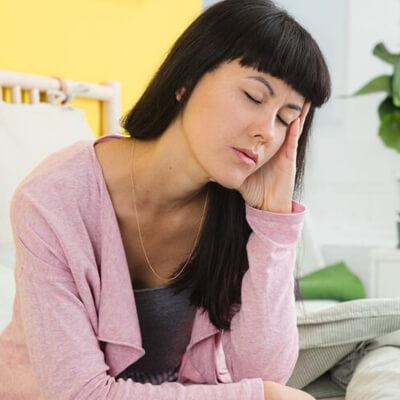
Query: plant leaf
(384, 54)
(396, 84)
(382, 83)
(389, 130)
(387, 107)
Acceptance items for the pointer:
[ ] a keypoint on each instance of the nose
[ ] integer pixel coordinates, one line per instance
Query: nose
(266, 131)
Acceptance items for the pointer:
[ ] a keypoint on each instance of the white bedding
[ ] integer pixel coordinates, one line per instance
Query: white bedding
(30, 133)
(377, 375)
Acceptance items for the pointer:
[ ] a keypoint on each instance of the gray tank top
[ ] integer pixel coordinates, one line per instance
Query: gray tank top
(165, 321)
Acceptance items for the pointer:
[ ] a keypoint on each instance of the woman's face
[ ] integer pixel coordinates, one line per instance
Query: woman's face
(220, 115)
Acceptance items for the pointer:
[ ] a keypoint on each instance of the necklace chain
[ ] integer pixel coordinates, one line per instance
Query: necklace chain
(140, 234)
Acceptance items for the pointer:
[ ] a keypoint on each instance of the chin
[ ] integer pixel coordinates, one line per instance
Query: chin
(233, 183)
(227, 175)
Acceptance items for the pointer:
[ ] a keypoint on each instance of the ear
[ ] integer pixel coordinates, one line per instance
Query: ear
(179, 93)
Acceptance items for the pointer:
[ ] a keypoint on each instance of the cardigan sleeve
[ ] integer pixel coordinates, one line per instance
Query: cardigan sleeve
(65, 355)
(263, 339)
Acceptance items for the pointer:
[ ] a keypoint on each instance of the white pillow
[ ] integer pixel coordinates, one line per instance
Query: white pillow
(29, 133)
(377, 376)
(7, 293)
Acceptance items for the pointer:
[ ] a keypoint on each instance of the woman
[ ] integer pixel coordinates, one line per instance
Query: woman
(160, 265)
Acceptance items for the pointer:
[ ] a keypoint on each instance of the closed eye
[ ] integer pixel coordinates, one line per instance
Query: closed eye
(259, 102)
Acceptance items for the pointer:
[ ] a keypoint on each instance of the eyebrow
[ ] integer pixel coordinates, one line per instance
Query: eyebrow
(271, 91)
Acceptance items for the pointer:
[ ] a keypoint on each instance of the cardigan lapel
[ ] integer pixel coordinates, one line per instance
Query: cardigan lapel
(118, 323)
(201, 350)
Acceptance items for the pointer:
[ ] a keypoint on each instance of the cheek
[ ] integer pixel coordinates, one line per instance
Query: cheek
(215, 118)
(225, 114)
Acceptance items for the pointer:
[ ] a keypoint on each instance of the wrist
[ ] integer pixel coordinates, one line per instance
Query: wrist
(269, 390)
(277, 210)
(279, 207)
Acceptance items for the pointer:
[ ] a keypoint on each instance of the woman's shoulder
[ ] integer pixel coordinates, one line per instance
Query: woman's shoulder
(109, 149)
(61, 175)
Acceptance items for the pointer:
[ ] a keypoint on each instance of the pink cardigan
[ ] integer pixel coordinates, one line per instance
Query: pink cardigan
(75, 324)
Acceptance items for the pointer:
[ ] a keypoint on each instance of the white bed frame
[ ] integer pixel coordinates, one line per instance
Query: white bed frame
(56, 89)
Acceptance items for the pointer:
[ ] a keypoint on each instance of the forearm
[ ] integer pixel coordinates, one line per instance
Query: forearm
(263, 340)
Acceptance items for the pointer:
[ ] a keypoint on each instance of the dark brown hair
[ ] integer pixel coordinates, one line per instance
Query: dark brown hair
(260, 35)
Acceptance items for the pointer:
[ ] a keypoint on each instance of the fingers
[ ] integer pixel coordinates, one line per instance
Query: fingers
(302, 118)
(293, 137)
(296, 127)
(297, 131)
(303, 114)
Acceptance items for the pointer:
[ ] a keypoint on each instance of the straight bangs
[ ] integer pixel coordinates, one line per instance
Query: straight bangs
(272, 42)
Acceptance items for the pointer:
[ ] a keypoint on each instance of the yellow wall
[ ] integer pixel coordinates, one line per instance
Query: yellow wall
(92, 41)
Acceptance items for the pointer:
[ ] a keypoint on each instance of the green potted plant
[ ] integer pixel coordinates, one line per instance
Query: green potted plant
(389, 108)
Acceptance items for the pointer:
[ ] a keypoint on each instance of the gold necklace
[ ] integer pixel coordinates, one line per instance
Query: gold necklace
(140, 234)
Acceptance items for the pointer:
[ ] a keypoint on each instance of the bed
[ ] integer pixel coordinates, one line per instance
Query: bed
(56, 115)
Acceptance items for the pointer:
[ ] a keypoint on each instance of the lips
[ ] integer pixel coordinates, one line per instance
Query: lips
(248, 153)
(244, 158)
